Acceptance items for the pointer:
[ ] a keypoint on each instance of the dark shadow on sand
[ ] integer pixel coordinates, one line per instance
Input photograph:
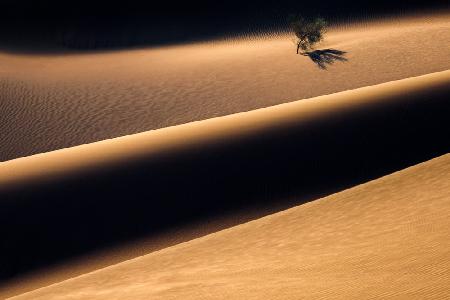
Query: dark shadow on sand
(326, 57)
(47, 223)
(59, 27)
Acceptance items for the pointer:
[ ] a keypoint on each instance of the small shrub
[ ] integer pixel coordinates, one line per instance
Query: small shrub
(308, 31)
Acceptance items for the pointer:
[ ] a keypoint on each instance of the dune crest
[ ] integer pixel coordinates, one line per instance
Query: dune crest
(50, 102)
(73, 201)
(387, 238)
(237, 126)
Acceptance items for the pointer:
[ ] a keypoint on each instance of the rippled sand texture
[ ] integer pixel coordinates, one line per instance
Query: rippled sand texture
(305, 152)
(384, 239)
(55, 101)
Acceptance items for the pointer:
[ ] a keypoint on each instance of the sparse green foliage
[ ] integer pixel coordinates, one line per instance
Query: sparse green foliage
(308, 31)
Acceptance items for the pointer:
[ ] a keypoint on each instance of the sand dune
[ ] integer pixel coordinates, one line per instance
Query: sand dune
(384, 239)
(49, 102)
(257, 162)
(69, 202)
(431, 88)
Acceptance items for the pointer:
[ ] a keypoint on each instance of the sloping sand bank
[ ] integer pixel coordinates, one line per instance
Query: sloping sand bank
(49, 102)
(384, 239)
(68, 202)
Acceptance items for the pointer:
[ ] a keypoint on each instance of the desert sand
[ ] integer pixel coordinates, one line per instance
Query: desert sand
(240, 127)
(77, 198)
(357, 121)
(384, 239)
(52, 101)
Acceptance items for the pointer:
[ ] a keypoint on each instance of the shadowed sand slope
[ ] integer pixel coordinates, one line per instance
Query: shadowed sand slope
(384, 239)
(71, 201)
(49, 102)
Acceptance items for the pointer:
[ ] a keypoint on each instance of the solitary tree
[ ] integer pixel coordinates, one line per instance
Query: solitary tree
(308, 31)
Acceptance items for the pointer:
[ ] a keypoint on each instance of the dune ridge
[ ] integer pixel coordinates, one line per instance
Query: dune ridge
(73, 201)
(236, 126)
(49, 102)
(387, 238)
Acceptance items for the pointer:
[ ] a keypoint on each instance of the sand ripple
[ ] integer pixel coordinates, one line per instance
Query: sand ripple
(52, 102)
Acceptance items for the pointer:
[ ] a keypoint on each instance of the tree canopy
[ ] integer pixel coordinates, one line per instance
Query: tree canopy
(308, 31)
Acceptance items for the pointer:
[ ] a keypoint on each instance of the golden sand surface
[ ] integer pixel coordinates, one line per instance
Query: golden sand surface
(305, 113)
(384, 239)
(53, 101)
(48, 102)
(153, 143)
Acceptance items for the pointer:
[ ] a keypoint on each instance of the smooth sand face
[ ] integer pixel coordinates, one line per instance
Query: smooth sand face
(384, 239)
(51, 102)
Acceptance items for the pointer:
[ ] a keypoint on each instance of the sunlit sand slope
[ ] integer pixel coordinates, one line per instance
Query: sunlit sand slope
(49, 102)
(71, 201)
(427, 90)
(385, 239)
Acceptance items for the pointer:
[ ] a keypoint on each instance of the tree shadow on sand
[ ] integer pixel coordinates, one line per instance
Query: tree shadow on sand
(324, 58)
